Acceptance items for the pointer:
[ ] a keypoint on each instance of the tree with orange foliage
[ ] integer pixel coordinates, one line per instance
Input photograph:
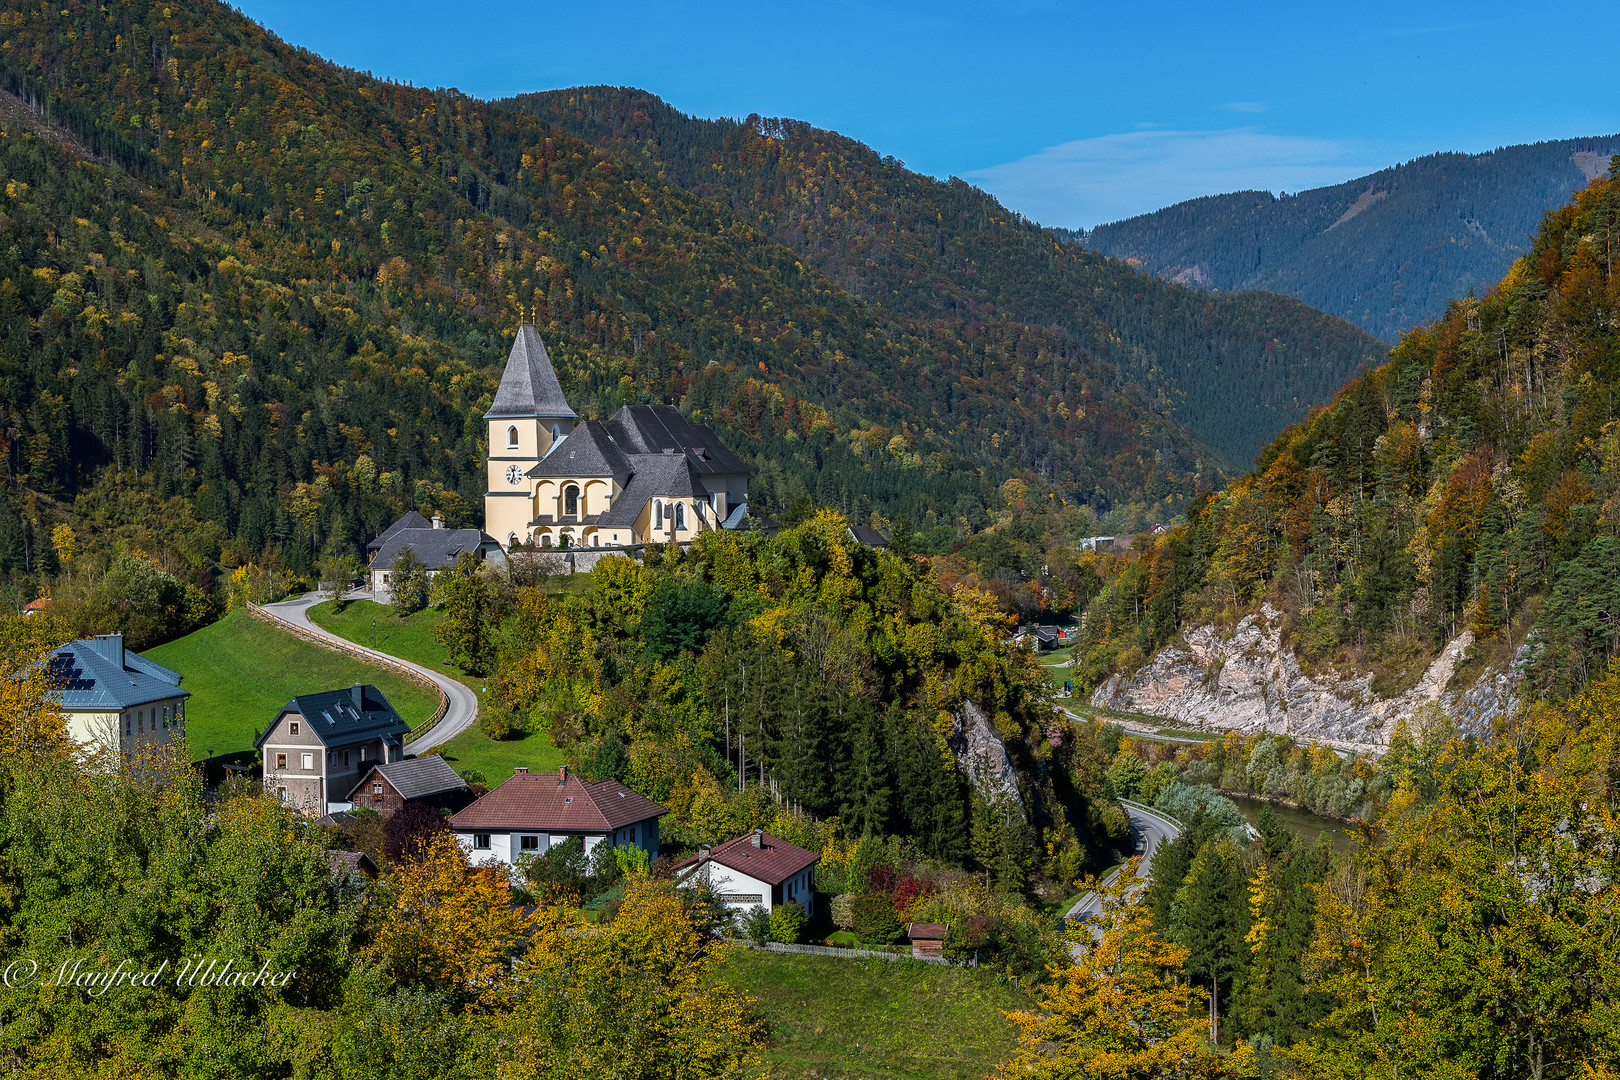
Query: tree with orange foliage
(453, 925)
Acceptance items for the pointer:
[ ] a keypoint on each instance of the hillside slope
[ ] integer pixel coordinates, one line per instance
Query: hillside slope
(1447, 530)
(257, 303)
(1233, 369)
(1386, 251)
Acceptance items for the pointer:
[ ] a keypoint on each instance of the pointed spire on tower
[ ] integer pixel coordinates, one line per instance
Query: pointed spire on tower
(529, 386)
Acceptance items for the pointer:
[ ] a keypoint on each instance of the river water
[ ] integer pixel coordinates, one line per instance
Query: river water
(1308, 825)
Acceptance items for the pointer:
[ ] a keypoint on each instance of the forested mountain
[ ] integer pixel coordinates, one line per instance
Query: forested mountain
(1386, 251)
(258, 302)
(1472, 483)
(947, 255)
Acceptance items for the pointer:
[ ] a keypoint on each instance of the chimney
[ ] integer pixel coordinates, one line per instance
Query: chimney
(703, 852)
(111, 646)
(520, 770)
(759, 838)
(438, 521)
(562, 774)
(358, 694)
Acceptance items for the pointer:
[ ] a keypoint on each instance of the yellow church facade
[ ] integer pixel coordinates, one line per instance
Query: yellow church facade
(644, 475)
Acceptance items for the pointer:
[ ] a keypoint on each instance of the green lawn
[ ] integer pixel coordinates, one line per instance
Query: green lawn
(831, 1017)
(411, 638)
(241, 672)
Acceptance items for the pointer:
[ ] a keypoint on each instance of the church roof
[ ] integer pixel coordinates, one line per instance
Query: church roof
(589, 450)
(657, 476)
(653, 429)
(529, 386)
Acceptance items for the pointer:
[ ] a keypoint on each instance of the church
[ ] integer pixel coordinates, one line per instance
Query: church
(643, 476)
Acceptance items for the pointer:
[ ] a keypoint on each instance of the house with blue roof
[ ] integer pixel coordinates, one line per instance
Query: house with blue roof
(319, 745)
(117, 700)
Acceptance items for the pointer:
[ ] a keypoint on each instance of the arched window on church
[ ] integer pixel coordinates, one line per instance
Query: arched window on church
(658, 514)
(511, 540)
(556, 432)
(570, 500)
(512, 437)
(680, 517)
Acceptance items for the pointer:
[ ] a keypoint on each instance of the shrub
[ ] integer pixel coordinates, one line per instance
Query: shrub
(875, 919)
(756, 925)
(409, 832)
(787, 923)
(842, 910)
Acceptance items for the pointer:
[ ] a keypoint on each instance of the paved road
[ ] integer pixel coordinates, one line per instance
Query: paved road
(1150, 829)
(463, 711)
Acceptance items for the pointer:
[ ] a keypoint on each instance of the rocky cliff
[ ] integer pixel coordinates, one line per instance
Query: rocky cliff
(1246, 679)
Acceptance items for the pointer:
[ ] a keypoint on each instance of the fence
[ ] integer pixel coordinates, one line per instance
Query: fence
(848, 954)
(358, 652)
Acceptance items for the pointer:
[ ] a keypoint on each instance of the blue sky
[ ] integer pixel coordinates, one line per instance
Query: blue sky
(1072, 113)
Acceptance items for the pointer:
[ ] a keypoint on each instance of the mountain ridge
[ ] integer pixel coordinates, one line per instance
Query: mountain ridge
(1386, 251)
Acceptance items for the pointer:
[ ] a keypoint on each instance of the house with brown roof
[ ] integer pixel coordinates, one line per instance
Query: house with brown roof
(533, 812)
(387, 786)
(755, 870)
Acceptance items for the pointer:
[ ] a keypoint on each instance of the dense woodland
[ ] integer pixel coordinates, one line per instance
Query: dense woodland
(256, 303)
(1467, 485)
(1387, 251)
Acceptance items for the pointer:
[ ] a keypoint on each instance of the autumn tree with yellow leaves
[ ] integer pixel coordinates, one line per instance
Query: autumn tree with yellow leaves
(1117, 1011)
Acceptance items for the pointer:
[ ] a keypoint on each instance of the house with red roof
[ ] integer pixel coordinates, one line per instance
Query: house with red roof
(533, 812)
(755, 870)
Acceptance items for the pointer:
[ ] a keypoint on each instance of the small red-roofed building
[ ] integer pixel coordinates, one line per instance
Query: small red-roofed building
(755, 870)
(532, 812)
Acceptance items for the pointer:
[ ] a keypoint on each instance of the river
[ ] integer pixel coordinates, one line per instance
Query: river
(1308, 825)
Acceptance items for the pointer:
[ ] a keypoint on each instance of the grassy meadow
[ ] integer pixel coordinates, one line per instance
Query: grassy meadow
(241, 672)
(831, 1017)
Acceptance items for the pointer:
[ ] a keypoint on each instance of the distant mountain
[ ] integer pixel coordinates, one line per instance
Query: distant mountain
(1386, 251)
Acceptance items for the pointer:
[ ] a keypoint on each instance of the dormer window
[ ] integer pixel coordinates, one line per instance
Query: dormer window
(512, 437)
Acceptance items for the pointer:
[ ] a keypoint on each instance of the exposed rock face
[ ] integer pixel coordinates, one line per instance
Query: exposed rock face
(1247, 680)
(982, 756)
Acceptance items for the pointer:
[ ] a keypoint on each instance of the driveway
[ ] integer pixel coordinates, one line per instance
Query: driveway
(1150, 829)
(463, 710)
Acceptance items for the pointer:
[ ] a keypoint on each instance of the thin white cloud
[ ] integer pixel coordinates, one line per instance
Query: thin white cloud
(1246, 106)
(1090, 181)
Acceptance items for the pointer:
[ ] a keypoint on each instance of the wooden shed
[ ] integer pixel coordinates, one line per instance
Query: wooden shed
(927, 938)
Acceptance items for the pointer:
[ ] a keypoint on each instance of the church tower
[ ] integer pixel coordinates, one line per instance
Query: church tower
(528, 416)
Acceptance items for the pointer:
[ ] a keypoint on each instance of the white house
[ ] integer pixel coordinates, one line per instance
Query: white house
(531, 813)
(756, 870)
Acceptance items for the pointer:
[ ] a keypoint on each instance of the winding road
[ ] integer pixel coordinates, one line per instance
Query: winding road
(1150, 828)
(463, 710)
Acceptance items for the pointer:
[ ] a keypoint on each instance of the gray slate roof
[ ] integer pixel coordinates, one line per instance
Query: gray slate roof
(437, 548)
(742, 517)
(97, 673)
(529, 385)
(416, 778)
(590, 450)
(656, 476)
(865, 534)
(652, 429)
(410, 520)
(343, 717)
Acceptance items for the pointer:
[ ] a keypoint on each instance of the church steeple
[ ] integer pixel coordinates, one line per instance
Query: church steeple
(529, 386)
(526, 419)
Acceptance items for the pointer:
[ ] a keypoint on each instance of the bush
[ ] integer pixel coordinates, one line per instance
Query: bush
(842, 910)
(875, 920)
(756, 925)
(787, 923)
(410, 831)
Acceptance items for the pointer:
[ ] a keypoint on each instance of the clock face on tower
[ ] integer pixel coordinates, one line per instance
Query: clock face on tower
(514, 475)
